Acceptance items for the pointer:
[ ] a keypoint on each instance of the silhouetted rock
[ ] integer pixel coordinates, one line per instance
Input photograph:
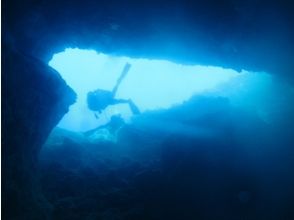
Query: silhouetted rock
(35, 98)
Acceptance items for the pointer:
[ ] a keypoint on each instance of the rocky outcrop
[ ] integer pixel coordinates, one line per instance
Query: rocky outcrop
(204, 159)
(34, 99)
(251, 35)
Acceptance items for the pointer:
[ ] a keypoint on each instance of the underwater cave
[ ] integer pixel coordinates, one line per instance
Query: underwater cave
(150, 84)
(146, 109)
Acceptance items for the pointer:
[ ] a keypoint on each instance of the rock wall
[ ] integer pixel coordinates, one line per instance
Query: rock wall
(251, 35)
(34, 99)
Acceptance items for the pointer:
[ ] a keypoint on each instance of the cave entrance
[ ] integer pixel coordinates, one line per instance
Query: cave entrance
(150, 84)
(87, 156)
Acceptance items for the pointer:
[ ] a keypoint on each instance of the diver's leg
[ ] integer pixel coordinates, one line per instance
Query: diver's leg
(133, 107)
(119, 101)
(135, 110)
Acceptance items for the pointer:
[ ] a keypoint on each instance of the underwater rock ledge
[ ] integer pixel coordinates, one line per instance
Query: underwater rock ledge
(35, 98)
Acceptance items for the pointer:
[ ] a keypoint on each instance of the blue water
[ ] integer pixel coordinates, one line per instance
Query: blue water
(151, 84)
(210, 143)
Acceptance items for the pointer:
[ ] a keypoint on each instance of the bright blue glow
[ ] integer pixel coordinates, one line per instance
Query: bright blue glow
(151, 84)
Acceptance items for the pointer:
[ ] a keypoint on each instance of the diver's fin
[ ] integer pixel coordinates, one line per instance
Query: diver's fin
(135, 110)
(122, 76)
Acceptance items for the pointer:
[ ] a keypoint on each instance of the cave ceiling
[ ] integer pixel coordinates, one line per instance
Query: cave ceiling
(251, 35)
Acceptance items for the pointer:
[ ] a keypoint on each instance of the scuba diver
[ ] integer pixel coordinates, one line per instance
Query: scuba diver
(107, 131)
(100, 99)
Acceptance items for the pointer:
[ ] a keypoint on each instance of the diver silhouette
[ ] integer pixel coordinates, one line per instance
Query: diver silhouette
(100, 99)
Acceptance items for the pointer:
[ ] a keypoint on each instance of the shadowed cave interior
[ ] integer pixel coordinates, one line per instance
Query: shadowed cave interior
(206, 149)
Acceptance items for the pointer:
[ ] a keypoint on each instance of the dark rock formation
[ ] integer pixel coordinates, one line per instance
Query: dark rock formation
(34, 99)
(237, 169)
(251, 35)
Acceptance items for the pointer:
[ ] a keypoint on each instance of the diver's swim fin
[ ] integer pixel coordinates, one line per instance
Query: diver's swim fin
(133, 107)
(122, 76)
